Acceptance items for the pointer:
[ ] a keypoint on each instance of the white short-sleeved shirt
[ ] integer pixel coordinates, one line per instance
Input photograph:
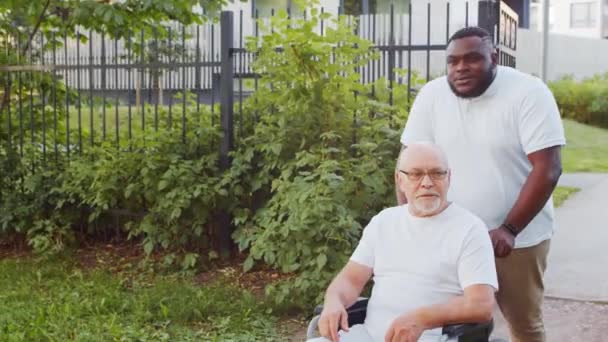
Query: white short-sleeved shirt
(422, 261)
(487, 140)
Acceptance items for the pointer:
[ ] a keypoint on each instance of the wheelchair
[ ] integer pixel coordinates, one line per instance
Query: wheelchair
(469, 332)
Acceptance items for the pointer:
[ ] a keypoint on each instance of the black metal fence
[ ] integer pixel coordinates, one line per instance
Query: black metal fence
(109, 87)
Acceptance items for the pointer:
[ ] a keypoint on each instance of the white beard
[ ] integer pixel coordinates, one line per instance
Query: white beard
(426, 207)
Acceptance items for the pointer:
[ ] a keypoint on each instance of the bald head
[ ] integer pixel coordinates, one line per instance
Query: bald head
(424, 177)
(422, 155)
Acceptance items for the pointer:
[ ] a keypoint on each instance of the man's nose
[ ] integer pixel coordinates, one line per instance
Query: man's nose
(426, 181)
(461, 66)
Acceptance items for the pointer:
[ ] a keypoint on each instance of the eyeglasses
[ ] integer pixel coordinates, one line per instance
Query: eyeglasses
(417, 175)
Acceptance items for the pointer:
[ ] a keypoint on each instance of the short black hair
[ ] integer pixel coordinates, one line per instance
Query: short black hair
(472, 31)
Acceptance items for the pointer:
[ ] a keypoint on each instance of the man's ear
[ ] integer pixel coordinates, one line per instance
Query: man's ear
(494, 57)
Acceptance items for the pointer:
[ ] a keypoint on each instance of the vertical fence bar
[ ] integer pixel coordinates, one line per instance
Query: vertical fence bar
(198, 70)
(322, 21)
(103, 85)
(9, 86)
(212, 78)
(391, 55)
(170, 80)
(141, 83)
(447, 24)
(19, 94)
(466, 15)
(78, 90)
(256, 77)
(428, 41)
(447, 27)
(67, 97)
(43, 101)
(7, 95)
(55, 96)
(31, 99)
(157, 72)
(184, 93)
(129, 72)
(409, 56)
(368, 68)
(241, 70)
(116, 118)
(227, 120)
(91, 85)
(375, 63)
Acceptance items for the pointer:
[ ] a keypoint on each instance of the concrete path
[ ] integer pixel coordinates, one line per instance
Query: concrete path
(577, 268)
(578, 259)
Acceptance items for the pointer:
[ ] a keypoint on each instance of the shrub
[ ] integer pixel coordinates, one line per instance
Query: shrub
(585, 101)
(320, 161)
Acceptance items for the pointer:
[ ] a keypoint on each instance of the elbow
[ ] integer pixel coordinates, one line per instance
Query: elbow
(556, 172)
(482, 310)
(485, 313)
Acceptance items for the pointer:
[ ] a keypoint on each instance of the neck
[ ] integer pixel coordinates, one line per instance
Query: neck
(411, 208)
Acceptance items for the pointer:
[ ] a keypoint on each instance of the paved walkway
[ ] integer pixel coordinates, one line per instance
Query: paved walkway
(577, 266)
(578, 259)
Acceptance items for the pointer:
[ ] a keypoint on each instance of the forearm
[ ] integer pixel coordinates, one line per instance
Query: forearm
(534, 195)
(455, 311)
(343, 291)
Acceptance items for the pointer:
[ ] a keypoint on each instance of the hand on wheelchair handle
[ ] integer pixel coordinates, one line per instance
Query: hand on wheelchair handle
(502, 241)
(333, 318)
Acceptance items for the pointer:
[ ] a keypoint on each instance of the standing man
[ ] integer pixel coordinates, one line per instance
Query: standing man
(502, 134)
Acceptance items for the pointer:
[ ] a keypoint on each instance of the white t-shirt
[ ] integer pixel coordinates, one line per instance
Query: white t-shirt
(487, 140)
(422, 261)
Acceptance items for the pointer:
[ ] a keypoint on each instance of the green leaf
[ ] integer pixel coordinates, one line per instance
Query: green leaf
(248, 264)
(321, 260)
(148, 247)
(162, 185)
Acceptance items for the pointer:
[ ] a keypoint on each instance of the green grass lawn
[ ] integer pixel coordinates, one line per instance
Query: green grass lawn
(586, 148)
(56, 300)
(562, 193)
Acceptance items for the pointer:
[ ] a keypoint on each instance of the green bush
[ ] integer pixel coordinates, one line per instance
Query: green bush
(313, 162)
(320, 161)
(584, 101)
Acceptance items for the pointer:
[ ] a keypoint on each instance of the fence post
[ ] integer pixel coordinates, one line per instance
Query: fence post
(226, 120)
(488, 11)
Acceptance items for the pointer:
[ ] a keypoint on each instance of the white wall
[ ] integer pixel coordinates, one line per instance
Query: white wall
(577, 56)
(559, 18)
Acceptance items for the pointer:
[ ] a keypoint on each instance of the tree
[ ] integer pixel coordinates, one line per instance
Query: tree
(21, 21)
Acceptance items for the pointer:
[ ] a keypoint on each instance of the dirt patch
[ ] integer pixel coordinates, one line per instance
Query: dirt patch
(254, 281)
(115, 258)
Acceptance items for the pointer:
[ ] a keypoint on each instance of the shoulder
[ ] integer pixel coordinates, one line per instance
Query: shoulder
(438, 86)
(520, 83)
(388, 218)
(467, 220)
(390, 214)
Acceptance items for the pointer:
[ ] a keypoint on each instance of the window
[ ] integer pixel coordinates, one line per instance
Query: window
(265, 8)
(358, 7)
(534, 15)
(583, 15)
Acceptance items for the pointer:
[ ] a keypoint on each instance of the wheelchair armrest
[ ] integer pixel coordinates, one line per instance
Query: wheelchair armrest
(469, 331)
(356, 312)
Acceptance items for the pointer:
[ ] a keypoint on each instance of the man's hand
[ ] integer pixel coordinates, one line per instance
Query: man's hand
(502, 241)
(405, 328)
(333, 316)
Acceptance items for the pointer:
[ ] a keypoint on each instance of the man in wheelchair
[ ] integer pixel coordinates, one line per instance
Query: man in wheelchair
(432, 263)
